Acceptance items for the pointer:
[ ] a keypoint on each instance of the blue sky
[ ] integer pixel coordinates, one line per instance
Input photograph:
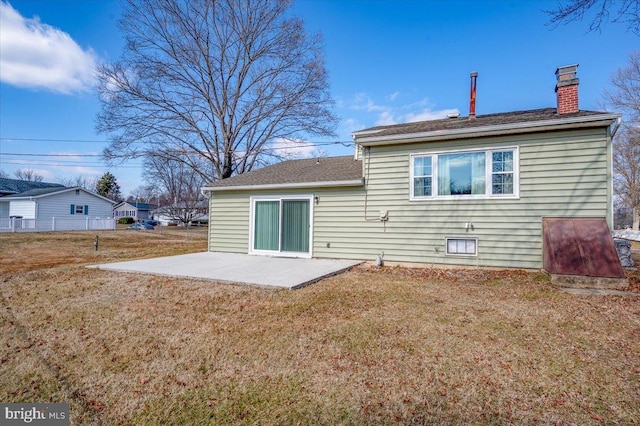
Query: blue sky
(389, 62)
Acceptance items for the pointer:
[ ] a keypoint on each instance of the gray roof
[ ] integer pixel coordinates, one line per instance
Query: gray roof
(497, 119)
(16, 186)
(139, 206)
(309, 172)
(41, 192)
(37, 192)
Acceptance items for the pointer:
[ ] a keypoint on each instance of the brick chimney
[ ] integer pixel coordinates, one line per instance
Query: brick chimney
(567, 89)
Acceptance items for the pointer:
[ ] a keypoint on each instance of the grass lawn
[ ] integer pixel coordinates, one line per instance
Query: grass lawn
(371, 346)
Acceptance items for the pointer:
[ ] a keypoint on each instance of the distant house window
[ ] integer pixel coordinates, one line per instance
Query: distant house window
(462, 246)
(79, 209)
(469, 174)
(77, 192)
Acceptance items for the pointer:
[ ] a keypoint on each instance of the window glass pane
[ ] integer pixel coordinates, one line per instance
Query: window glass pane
(461, 174)
(417, 166)
(508, 161)
(267, 224)
(422, 166)
(470, 247)
(422, 187)
(79, 210)
(502, 183)
(502, 161)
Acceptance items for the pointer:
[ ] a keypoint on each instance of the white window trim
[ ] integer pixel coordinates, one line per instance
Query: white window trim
(488, 172)
(446, 247)
(253, 199)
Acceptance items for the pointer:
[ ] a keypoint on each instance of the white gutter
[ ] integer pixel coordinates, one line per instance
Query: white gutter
(332, 184)
(499, 129)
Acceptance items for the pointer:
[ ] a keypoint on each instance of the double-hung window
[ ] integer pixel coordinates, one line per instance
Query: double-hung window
(502, 173)
(79, 209)
(422, 176)
(465, 174)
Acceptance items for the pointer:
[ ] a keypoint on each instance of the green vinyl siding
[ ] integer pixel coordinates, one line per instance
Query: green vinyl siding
(229, 222)
(561, 174)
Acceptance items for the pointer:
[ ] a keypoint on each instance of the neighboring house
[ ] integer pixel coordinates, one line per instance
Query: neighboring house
(138, 211)
(16, 186)
(457, 191)
(181, 212)
(55, 207)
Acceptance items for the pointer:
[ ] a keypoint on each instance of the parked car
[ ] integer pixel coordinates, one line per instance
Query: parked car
(140, 226)
(151, 222)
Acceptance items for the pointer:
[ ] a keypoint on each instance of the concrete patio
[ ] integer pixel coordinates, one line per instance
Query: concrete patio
(265, 271)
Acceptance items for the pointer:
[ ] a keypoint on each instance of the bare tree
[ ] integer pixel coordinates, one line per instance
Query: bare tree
(3, 174)
(143, 193)
(28, 175)
(599, 11)
(624, 96)
(622, 215)
(213, 80)
(179, 184)
(87, 182)
(626, 170)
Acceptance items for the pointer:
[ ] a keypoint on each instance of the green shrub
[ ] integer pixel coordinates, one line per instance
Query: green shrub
(126, 220)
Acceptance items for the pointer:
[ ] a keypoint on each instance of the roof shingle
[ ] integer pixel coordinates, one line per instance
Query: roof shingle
(309, 171)
(17, 186)
(480, 121)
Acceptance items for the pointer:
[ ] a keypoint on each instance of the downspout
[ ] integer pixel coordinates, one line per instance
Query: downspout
(207, 194)
(614, 130)
(366, 159)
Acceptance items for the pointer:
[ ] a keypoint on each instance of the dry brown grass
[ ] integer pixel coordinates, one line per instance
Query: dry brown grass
(390, 346)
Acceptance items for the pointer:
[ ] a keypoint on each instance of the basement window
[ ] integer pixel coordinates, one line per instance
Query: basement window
(462, 246)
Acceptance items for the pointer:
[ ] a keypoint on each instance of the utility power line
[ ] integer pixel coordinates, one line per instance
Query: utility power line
(344, 143)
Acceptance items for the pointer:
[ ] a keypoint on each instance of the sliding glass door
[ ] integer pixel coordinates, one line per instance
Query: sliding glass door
(281, 225)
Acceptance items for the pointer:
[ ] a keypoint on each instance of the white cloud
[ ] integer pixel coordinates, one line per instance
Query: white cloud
(362, 101)
(429, 114)
(392, 97)
(293, 148)
(386, 118)
(389, 114)
(38, 56)
(350, 125)
(72, 171)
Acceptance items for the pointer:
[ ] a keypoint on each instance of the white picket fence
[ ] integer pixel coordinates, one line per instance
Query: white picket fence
(56, 224)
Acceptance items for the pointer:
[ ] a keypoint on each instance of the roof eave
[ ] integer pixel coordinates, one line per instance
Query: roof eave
(293, 185)
(31, 197)
(603, 120)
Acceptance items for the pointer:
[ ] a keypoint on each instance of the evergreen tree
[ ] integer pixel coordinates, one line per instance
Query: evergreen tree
(107, 186)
